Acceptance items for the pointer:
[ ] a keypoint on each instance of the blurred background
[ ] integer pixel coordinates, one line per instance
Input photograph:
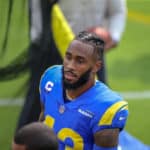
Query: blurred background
(128, 67)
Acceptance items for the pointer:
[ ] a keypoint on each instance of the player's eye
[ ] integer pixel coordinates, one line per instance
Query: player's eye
(80, 61)
(68, 56)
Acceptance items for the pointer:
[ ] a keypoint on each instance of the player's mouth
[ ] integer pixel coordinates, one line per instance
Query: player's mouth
(69, 75)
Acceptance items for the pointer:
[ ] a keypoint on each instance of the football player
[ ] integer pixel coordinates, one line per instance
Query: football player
(84, 113)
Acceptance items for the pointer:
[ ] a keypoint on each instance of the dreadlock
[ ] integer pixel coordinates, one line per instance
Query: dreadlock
(92, 39)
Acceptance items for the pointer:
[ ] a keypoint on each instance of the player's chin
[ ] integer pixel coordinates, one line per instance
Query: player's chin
(70, 81)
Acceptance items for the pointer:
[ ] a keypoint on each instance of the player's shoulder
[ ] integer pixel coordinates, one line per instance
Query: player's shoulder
(52, 74)
(108, 106)
(112, 114)
(53, 69)
(106, 94)
(107, 98)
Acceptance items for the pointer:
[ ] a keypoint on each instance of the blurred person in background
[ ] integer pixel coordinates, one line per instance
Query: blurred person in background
(42, 54)
(35, 136)
(106, 18)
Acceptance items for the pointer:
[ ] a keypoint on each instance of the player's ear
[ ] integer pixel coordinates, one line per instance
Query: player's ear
(97, 66)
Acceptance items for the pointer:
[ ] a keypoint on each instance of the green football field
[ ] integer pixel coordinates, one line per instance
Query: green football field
(128, 67)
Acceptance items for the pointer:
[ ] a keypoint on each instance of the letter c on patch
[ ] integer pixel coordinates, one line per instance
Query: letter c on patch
(48, 86)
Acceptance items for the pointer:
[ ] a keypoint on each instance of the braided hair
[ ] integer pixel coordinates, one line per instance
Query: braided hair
(92, 39)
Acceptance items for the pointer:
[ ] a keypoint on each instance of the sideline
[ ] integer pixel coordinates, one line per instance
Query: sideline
(136, 95)
(145, 95)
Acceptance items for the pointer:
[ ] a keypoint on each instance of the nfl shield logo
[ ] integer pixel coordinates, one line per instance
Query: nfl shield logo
(61, 109)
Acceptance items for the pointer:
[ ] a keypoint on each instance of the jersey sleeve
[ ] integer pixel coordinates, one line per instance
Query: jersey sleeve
(120, 118)
(114, 116)
(42, 86)
(47, 81)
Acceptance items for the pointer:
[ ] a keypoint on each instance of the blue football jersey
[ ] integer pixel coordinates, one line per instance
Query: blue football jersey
(76, 122)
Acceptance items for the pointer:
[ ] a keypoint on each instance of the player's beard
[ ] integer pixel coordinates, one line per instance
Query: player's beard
(81, 81)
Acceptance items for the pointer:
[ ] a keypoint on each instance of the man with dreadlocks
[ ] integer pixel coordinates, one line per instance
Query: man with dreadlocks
(84, 113)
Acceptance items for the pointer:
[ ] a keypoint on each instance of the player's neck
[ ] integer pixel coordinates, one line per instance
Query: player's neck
(72, 94)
